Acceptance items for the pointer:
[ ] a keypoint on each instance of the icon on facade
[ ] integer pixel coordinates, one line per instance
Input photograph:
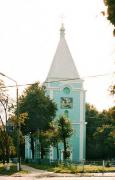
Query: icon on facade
(66, 102)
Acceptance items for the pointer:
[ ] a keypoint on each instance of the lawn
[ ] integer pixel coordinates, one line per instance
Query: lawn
(11, 171)
(71, 168)
(60, 168)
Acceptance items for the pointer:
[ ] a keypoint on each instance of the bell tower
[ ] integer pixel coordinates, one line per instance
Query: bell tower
(65, 87)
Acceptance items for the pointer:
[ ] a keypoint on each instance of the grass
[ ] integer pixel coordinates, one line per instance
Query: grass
(74, 169)
(85, 169)
(11, 171)
(60, 168)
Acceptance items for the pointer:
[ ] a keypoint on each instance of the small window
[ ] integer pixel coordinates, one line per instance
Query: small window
(66, 90)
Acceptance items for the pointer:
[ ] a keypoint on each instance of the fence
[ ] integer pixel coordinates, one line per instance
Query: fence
(79, 166)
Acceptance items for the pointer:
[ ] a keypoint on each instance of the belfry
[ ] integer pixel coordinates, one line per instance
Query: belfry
(65, 87)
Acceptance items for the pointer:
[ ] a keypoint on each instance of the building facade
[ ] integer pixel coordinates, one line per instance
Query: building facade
(65, 87)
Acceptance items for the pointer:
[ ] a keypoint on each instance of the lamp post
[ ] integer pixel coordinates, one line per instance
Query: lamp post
(18, 123)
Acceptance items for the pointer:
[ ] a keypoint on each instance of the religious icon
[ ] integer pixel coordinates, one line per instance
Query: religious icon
(66, 102)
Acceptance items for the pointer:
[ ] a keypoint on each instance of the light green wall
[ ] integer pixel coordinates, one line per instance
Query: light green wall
(74, 116)
(74, 113)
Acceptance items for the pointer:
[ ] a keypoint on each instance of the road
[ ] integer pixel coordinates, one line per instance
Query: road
(56, 178)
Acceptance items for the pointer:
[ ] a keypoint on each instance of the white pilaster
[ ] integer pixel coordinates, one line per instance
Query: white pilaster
(51, 152)
(81, 124)
(51, 93)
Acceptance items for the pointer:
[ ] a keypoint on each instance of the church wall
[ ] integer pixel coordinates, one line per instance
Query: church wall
(84, 127)
(84, 143)
(75, 142)
(64, 86)
(74, 114)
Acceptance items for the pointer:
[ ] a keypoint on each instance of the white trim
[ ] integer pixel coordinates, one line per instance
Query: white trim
(75, 123)
(66, 85)
(51, 152)
(78, 89)
(53, 88)
(71, 154)
(61, 88)
(64, 80)
(81, 125)
(61, 158)
(51, 94)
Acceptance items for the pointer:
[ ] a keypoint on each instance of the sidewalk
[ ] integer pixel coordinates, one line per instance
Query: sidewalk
(32, 172)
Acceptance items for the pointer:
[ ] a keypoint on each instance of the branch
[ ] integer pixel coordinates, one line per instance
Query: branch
(2, 121)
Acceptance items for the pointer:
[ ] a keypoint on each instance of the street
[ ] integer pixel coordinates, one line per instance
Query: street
(56, 178)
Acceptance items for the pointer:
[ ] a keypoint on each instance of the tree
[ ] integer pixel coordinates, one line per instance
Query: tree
(59, 131)
(111, 12)
(65, 132)
(13, 123)
(100, 133)
(52, 136)
(111, 17)
(106, 132)
(43, 143)
(92, 123)
(40, 109)
(5, 139)
(112, 89)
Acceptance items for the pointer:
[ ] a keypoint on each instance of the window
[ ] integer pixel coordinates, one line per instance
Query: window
(66, 90)
(66, 113)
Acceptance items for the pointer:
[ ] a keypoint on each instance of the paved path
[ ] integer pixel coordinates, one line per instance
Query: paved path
(56, 178)
(42, 173)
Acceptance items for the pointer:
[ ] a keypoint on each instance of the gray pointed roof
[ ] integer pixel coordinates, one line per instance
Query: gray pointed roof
(63, 66)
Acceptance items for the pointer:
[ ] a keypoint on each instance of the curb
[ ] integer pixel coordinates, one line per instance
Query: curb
(52, 174)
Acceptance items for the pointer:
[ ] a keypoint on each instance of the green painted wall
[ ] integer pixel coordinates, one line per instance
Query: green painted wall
(56, 91)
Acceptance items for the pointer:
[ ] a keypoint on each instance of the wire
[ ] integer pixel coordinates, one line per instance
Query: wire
(92, 76)
(71, 79)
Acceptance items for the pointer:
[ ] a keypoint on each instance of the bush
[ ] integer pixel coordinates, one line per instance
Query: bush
(108, 164)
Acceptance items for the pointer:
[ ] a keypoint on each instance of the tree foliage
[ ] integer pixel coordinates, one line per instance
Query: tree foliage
(59, 131)
(92, 124)
(51, 136)
(100, 133)
(112, 89)
(40, 108)
(111, 12)
(65, 131)
(111, 17)
(6, 143)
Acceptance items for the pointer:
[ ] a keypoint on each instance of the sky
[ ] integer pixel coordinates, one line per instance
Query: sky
(29, 35)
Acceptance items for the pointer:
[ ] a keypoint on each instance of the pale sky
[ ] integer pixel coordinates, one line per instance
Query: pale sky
(29, 35)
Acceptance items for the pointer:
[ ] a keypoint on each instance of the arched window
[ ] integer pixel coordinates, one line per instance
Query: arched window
(66, 90)
(66, 113)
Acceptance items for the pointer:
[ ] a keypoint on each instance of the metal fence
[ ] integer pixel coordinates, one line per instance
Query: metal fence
(104, 163)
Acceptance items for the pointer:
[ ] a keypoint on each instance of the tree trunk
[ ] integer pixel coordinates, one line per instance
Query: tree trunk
(42, 151)
(7, 148)
(7, 155)
(3, 157)
(65, 149)
(57, 152)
